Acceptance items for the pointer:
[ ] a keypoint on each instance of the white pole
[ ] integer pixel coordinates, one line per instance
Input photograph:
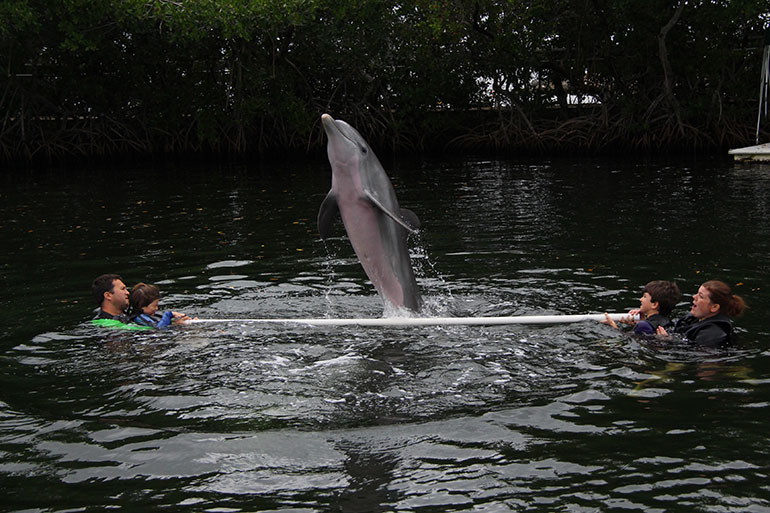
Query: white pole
(426, 321)
(764, 82)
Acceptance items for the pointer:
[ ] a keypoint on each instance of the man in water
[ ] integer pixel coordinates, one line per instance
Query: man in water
(111, 294)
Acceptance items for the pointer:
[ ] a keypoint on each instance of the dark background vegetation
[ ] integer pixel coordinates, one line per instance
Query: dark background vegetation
(224, 78)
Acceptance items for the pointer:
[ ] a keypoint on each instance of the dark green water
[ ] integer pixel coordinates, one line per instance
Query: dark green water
(238, 417)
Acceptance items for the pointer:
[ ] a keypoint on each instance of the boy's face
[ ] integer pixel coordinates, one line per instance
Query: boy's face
(647, 307)
(151, 308)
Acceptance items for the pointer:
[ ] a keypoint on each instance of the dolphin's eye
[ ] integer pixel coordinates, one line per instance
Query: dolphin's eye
(364, 150)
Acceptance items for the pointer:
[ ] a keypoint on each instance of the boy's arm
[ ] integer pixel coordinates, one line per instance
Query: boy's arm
(608, 320)
(644, 328)
(165, 320)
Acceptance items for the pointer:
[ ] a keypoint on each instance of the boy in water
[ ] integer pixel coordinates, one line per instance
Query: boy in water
(658, 299)
(144, 302)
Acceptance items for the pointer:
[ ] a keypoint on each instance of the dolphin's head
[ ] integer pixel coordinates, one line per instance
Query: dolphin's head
(346, 146)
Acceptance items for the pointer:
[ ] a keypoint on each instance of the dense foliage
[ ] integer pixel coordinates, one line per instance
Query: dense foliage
(244, 76)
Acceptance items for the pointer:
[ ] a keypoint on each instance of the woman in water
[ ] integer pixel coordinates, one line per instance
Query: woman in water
(708, 323)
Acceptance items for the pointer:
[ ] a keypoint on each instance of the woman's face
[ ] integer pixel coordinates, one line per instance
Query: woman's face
(702, 307)
(151, 308)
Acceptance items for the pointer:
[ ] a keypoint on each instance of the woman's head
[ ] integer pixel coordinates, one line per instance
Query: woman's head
(144, 299)
(714, 297)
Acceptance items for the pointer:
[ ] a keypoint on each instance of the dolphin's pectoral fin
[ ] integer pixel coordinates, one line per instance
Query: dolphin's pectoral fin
(389, 213)
(326, 214)
(410, 218)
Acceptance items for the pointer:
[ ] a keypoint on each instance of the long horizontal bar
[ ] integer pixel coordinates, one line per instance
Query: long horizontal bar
(427, 321)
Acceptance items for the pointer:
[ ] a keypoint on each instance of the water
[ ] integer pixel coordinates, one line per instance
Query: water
(239, 417)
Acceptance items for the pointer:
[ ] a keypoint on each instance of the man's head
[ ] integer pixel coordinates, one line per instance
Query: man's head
(110, 293)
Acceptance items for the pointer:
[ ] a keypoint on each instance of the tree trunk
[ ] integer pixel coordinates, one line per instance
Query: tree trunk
(668, 89)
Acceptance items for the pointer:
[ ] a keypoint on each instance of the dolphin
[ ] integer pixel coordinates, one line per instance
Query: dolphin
(377, 227)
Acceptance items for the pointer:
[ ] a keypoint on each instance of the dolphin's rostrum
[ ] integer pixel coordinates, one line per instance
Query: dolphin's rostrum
(377, 227)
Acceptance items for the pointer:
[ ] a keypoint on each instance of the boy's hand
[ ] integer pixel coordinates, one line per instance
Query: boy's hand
(180, 317)
(608, 320)
(630, 318)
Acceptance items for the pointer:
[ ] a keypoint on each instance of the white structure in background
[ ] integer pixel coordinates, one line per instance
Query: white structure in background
(760, 151)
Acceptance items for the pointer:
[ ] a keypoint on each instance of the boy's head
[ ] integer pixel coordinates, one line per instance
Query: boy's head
(142, 297)
(665, 293)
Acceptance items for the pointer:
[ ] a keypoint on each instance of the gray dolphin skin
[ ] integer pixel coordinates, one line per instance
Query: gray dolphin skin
(377, 227)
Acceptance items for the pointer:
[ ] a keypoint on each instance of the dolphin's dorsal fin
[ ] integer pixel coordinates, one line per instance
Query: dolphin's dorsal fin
(326, 214)
(390, 213)
(410, 218)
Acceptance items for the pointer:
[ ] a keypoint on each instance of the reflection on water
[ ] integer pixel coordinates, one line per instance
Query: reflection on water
(240, 417)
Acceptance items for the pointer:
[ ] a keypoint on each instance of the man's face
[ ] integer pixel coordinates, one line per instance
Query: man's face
(119, 295)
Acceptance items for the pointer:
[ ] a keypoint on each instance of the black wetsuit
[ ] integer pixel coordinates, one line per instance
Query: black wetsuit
(104, 315)
(715, 331)
(650, 325)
